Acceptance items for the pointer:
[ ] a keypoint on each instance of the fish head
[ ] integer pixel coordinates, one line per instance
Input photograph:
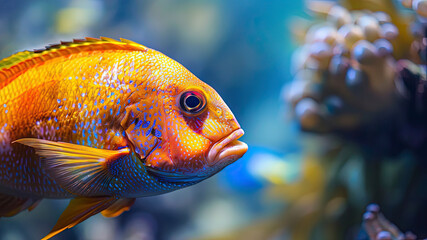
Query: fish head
(199, 132)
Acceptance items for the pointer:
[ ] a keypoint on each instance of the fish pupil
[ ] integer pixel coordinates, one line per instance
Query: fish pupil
(192, 102)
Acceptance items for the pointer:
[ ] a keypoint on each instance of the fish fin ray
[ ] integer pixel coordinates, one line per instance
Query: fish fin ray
(12, 66)
(78, 210)
(12, 205)
(79, 169)
(118, 207)
(127, 41)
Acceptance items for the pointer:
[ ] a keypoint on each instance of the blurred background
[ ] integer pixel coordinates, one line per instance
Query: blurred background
(328, 95)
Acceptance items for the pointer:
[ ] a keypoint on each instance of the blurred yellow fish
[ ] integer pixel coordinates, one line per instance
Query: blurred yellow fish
(103, 122)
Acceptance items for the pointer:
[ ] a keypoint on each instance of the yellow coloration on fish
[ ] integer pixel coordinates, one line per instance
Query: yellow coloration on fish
(103, 122)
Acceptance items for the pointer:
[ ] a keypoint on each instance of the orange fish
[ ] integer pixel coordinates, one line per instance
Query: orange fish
(103, 122)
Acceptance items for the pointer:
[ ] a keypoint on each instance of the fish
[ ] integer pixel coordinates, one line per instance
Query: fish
(103, 122)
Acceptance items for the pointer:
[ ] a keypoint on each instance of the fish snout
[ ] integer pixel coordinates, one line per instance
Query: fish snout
(227, 150)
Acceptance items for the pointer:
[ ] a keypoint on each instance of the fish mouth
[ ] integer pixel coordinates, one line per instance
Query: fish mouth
(228, 150)
(221, 154)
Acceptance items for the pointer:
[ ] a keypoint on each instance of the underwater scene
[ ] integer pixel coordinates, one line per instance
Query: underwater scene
(213, 119)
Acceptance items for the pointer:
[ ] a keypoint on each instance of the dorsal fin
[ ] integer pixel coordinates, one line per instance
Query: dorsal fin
(10, 67)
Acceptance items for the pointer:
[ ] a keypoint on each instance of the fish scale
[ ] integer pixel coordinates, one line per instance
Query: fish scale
(40, 90)
(102, 122)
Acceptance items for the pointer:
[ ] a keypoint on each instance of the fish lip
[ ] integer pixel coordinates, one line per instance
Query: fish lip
(227, 150)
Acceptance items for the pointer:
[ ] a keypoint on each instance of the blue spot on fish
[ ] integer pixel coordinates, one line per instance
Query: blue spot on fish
(149, 131)
(146, 124)
(157, 133)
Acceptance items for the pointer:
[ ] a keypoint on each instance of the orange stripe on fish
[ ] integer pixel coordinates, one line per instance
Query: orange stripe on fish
(16, 64)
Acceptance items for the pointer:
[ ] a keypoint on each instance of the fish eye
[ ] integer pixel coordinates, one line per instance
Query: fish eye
(192, 102)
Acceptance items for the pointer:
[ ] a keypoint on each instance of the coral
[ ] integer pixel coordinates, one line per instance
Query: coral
(351, 79)
(377, 227)
(360, 84)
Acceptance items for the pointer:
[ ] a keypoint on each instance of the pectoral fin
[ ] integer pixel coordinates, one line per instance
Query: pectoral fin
(79, 210)
(118, 207)
(79, 169)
